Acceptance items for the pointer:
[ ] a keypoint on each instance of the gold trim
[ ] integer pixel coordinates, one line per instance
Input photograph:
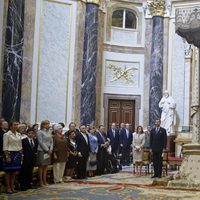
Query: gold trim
(39, 47)
(156, 7)
(68, 63)
(38, 64)
(125, 62)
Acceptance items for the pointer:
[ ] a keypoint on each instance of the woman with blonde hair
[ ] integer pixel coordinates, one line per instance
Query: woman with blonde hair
(138, 144)
(45, 148)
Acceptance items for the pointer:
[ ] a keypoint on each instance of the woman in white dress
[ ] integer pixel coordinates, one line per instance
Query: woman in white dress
(138, 143)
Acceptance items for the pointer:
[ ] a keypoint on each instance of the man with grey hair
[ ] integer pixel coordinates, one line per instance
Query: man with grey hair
(126, 138)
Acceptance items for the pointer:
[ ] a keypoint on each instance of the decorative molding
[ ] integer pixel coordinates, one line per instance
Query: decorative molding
(188, 24)
(97, 2)
(125, 74)
(156, 7)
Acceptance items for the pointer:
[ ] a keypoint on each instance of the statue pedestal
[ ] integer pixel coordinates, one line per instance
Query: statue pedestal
(188, 176)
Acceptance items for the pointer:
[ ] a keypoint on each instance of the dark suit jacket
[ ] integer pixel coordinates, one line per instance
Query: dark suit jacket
(82, 145)
(100, 139)
(158, 141)
(114, 141)
(1, 141)
(124, 140)
(29, 152)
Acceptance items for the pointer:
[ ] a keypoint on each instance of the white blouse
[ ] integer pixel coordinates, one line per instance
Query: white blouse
(12, 141)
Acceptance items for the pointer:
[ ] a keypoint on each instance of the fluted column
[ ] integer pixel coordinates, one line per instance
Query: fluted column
(13, 58)
(89, 68)
(156, 66)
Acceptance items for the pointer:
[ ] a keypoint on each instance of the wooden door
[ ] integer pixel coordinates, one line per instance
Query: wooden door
(121, 111)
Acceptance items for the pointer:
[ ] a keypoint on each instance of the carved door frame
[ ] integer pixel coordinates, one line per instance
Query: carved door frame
(136, 98)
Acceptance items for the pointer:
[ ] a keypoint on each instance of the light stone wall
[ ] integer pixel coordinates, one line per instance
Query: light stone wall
(121, 86)
(53, 61)
(179, 80)
(124, 49)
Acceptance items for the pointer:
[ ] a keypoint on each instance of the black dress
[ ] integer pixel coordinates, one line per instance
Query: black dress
(72, 161)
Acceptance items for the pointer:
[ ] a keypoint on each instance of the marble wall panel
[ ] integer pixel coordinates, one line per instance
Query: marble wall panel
(178, 72)
(29, 20)
(53, 62)
(148, 40)
(124, 37)
(78, 59)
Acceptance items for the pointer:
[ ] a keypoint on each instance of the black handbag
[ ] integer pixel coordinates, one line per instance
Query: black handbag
(93, 163)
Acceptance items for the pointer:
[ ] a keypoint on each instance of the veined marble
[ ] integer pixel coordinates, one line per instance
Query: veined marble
(2, 14)
(13, 60)
(89, 69)
(156, 73)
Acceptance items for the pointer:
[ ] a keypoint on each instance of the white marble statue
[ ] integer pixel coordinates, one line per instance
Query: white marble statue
(168, 105)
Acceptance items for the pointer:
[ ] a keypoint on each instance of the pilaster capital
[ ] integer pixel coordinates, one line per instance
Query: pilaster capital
(156, 7)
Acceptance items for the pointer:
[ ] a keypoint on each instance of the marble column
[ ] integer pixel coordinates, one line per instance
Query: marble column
(89, 66)
(13, 58)
(156, 66)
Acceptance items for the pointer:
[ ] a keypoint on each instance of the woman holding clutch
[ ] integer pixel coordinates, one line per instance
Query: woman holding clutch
(44, 152)
(138, 143)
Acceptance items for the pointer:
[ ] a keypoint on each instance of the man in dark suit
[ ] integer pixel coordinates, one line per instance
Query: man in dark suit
(3, 129)
(126, 138)
(102, 151)
(29, 145)
(83, 147)
(113, 135)
(158, 142)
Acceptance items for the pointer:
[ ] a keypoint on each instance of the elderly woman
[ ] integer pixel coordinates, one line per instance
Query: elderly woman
(12, 147)
(60, 154)
(92, 160)
(45, 148)
(22, 130)
(138, 144)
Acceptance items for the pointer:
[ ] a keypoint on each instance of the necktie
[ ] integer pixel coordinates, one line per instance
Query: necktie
(157, 129)
(113, 133)
(32, 145)
(127, 133)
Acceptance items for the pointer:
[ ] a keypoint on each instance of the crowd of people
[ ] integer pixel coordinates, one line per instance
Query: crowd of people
(80, 152)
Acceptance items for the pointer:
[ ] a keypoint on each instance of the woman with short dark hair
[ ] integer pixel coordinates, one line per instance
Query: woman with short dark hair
(12, 147)
(138, 144)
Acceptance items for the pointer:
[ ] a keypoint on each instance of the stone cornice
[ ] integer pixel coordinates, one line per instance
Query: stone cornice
(156, 7)
(97, 2)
